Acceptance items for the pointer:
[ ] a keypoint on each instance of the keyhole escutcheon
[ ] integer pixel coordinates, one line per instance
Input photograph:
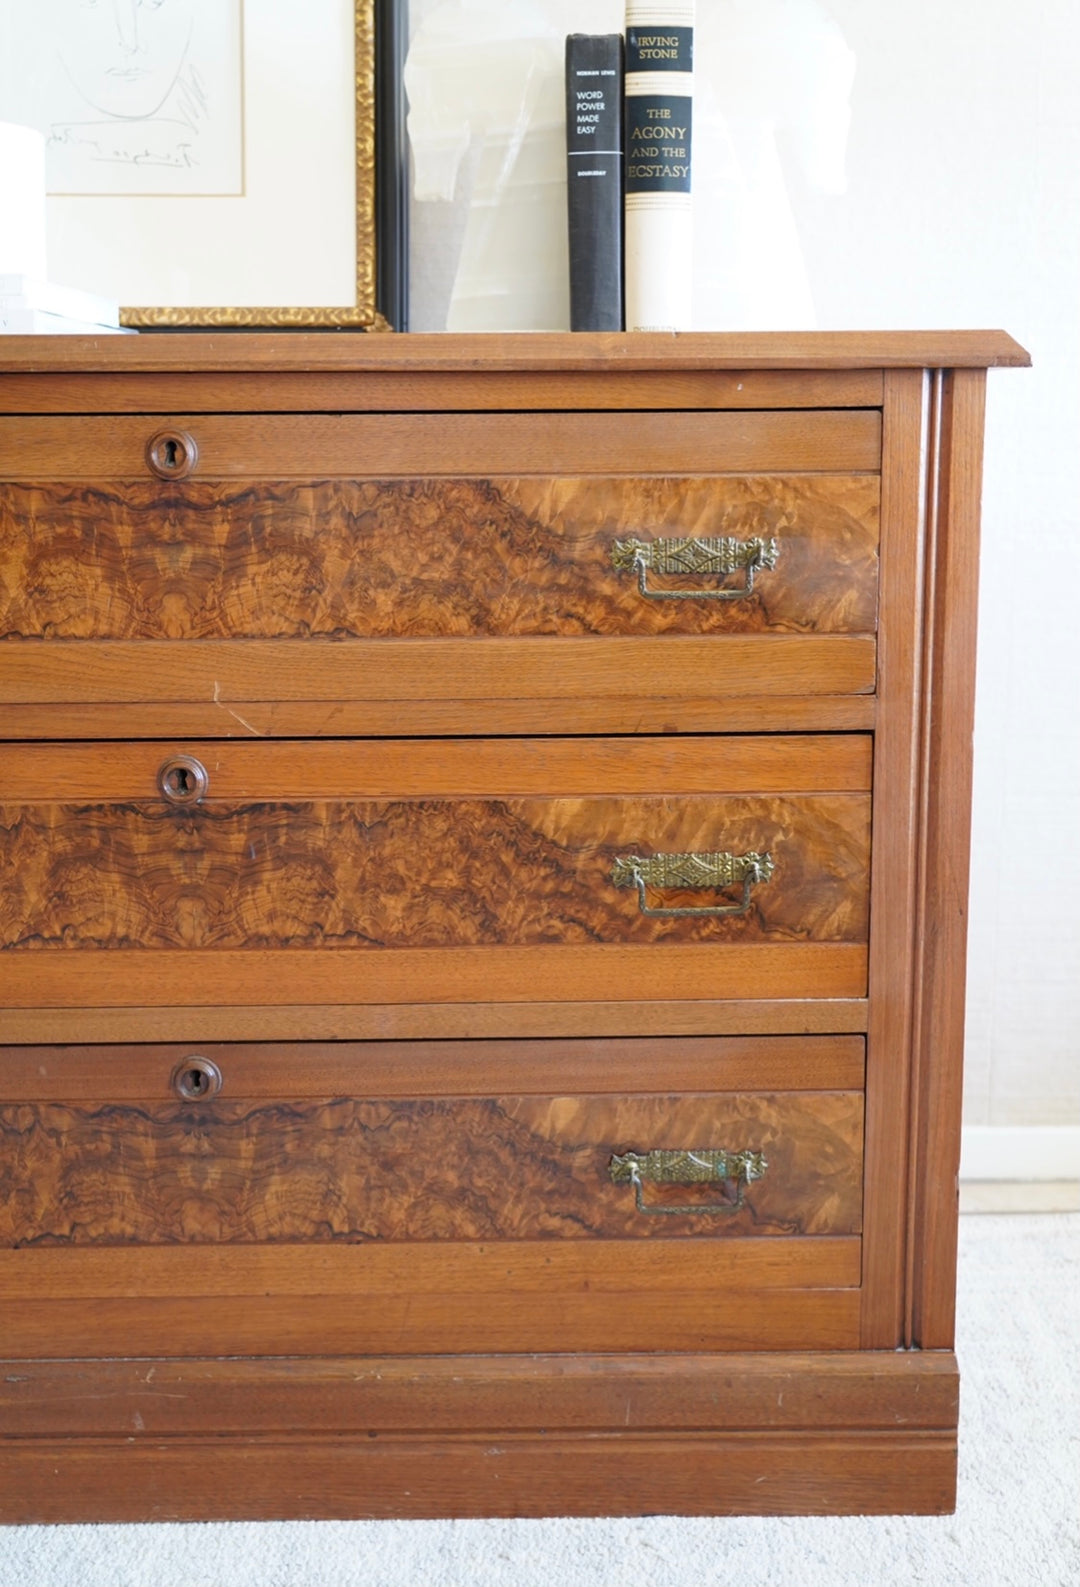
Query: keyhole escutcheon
(196, 1078)
(172, 454)
(183, 780)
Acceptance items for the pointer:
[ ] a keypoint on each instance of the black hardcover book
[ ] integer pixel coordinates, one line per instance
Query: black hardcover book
(594, 166)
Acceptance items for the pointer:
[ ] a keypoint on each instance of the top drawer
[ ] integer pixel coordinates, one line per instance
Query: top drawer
(583, 556)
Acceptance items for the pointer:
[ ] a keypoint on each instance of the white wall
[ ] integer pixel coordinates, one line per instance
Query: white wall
(963, 209)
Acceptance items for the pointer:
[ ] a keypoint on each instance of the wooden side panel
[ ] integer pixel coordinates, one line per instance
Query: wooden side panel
(506, 1168)
(425, 558)
(420, 873)
(291, 446)
(895, 863)
(946, 794)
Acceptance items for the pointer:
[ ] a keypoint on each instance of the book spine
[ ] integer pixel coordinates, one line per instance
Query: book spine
(659, 218)
(594, 196)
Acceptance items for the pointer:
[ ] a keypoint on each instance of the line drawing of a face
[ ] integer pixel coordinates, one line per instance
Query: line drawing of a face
(123, 56)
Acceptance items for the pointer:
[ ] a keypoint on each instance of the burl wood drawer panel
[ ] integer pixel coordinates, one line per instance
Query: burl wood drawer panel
(449, 872)
(492, 1168)
(383, 542)
(433, 558)
(448, 1221)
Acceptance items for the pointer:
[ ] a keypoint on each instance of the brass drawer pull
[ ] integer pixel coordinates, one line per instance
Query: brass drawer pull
(183, 780)
(704, 1166)
(693, 871)
(172, 454)
(718, 555)
(196, 1078)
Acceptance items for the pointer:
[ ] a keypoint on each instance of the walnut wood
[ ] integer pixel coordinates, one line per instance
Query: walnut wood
(143, 977)
(532, 449)
(896, 818)
(336, 769)
(425, 718)
(949, 693)
(367, 1273)
(426, 1068)
(400, 1477)
(555, 352)
(389, 1021)
(453, 1320)
(291, 446)
(506, 1168)
(423, 390)
(423, 558)
(916, 1390)
(221, 672)
(417, 873)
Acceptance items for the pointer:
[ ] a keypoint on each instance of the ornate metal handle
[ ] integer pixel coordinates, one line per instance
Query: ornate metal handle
(693, 871)
(701, 1166)
(720, 555)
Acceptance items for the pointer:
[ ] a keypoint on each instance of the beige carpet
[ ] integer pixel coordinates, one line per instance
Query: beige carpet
(1017, 1519)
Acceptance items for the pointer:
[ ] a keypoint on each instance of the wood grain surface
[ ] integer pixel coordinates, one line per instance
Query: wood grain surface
(872, 1390)
(315, 1478)
(223, 673)
(448, 1317)
(423, 558)
(420, 873)
(241, 446)
(559, 352)
(570, 973)
(437, 1169)
(231, 1021)
(307, 719)
(369, 1272)
(286, 1069)
(898, 753)
(424, 391)
(336, 768)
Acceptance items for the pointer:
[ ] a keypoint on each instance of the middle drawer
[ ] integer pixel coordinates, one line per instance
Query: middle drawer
(460, 871)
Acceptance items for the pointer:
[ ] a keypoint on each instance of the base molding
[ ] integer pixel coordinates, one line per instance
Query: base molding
(869, 1433)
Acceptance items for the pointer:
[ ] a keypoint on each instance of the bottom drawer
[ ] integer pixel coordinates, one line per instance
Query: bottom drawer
(681, 1194)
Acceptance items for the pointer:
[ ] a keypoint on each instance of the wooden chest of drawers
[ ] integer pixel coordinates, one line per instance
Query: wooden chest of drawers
(463, 1051)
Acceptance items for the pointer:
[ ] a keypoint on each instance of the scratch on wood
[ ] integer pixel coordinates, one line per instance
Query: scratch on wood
(254, 731)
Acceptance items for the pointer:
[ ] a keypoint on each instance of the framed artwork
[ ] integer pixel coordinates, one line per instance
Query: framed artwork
(219, 163)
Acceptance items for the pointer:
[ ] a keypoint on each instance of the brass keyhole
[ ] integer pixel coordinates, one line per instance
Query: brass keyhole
(196, 1078)
(183, 780)
(172, 453)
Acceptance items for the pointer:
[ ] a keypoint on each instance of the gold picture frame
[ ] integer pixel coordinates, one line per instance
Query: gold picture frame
(299, 215)
(362, 313)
